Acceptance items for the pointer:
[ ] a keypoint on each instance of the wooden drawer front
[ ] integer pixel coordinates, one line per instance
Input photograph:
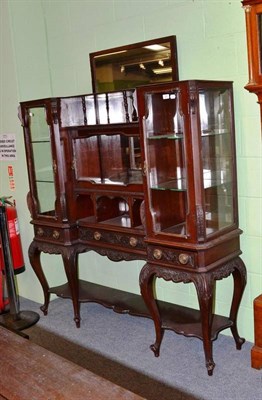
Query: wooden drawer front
(171, 256)
(98, 236)
(49, 234)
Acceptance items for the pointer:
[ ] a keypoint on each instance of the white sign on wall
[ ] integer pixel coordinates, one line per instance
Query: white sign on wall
(7, 147)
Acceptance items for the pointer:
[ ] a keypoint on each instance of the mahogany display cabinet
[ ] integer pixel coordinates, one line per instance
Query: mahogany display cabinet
(146, 174)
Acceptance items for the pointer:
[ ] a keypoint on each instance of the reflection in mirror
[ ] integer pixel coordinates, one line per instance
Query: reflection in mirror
(126, 67)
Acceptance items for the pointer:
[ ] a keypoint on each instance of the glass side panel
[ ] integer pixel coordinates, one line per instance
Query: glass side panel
(166, 171)
(215, 112)
(43, 161)
(73, 110)
(164, 116)
(38, 126)
(46, 196)
(217, 159)
(108, 159)
(42, 158)
(116, 107)
(102, 108)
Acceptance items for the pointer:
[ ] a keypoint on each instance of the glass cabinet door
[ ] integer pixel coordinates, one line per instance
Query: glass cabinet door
(217, 157)
(165, 161)
(42, 159)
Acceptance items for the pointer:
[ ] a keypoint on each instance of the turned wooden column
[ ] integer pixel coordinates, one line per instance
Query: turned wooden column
(256, 352)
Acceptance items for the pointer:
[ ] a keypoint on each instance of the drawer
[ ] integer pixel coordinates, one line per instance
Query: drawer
(49, 234)
(100, 236)
(169, 256)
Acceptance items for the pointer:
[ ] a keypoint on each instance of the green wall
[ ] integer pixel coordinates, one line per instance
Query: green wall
(45, 48)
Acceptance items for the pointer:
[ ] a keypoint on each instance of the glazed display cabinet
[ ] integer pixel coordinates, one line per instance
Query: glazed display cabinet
(146, 174)
(190, 189)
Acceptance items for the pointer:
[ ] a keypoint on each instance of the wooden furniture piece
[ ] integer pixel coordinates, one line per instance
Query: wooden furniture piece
(154, 182)
(253, 12)
(29, 371)
(190, 199)
(256, 352)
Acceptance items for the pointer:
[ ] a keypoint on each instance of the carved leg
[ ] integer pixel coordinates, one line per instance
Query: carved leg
(34, 257)
(146, 280)
(70, 257)
(239, 275)
(205, 290)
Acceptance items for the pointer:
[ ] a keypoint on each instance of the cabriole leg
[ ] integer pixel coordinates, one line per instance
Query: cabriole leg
(239, 275)
(146, 281)
(35, 260)
(70, 258)
(205, 292)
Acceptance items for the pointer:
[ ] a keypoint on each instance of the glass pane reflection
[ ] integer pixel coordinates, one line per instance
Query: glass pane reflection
(217, 160)
(42, 156)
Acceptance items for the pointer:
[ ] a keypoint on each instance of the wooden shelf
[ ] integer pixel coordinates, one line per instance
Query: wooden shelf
(180, 319)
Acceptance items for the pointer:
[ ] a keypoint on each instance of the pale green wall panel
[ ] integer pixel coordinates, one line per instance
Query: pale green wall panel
(254, 216)
(91, 14)
(125, 9)
(83, 78)
(64, 80)
(57, 17)
(223, 17)
(252, 253)
(174, 19)
(121, 32)
(251, 138)
(249, 169)
(174, 293)
(30, 47)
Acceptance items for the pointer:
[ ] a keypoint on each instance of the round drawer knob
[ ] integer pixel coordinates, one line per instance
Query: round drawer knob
(183, 258)
(157, 254)
(40, 232)
(56, 235)
(97, 235)
(133, 241)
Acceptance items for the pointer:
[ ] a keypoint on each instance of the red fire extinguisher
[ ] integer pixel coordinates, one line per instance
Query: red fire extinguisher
(15, 246)
(4, 301)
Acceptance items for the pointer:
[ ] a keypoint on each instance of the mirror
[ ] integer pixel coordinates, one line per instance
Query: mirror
(127, 67)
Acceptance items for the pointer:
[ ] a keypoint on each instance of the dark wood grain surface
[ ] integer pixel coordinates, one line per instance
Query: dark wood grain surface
(29, 371)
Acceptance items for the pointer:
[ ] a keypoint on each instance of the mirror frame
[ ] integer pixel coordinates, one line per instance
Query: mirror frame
(173, 57)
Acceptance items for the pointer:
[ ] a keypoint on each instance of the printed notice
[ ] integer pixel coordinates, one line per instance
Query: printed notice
(7, 147)
(11, 177)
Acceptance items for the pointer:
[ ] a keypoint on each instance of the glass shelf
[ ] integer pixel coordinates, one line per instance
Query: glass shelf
(167, 136)
(178, 185)
(215, 132)
(179, 229)
(118, 179)
(42, 140)
(44, 181)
